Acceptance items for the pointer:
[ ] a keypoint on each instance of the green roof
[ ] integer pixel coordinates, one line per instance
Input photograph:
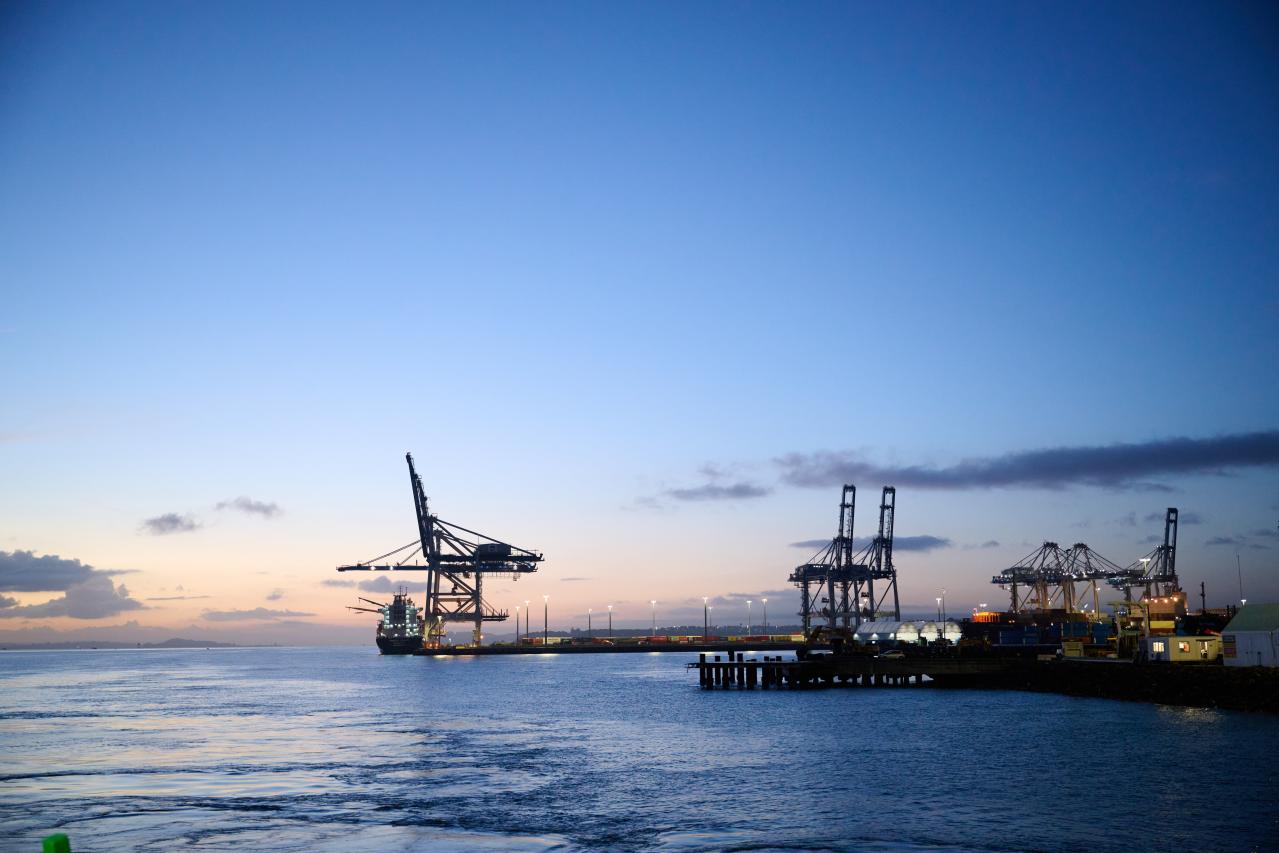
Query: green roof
(1255, 617)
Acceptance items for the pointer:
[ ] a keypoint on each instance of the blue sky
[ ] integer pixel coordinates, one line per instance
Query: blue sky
(570, 254)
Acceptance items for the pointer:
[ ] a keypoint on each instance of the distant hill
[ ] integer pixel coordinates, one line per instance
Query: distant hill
(174, 643)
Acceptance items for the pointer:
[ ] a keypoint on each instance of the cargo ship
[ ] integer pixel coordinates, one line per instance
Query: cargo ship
(401, 628)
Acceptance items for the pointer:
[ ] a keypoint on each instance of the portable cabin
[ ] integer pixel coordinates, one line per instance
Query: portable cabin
(1176, 649)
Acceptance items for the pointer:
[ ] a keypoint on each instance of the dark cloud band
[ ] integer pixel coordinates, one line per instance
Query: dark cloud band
(1126, 466)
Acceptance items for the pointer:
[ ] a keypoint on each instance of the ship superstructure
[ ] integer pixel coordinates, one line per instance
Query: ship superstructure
(402, 626)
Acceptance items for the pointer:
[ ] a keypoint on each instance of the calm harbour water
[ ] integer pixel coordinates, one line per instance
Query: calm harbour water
(340, 749)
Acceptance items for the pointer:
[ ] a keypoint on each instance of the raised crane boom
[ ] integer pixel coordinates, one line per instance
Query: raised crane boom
(848, 579)
(455, 560)
(1053, 578)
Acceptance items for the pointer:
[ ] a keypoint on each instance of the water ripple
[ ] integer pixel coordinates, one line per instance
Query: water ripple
(339, 749)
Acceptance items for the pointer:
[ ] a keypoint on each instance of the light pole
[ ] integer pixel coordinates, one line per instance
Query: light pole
(706, 618)
(528, 618)
(653, 603)
(765, 600)
(939, 608)
(588, 623)
(943, 604)
(748, 617)
(546, 606)
(610, 620)
(709, 609)
(517, 624)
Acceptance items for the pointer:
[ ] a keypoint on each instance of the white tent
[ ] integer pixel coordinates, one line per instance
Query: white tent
(886, 630)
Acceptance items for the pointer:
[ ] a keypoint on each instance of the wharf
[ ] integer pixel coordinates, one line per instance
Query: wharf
(829, 670)
(1192, 685)
(606, 649)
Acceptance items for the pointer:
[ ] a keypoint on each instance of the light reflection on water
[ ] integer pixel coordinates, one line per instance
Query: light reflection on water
(318, 749)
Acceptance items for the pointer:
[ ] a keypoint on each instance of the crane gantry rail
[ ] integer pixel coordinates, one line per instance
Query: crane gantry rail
(457, 560)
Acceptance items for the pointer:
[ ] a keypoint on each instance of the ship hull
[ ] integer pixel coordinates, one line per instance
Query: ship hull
(399, 645)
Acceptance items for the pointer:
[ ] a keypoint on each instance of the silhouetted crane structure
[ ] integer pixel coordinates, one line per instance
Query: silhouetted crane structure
(378, 606)
(838, 585)
(456, 562)
(1155, 573)
(1053, 578)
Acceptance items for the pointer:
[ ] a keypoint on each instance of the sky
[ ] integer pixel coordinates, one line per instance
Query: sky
(639, 285)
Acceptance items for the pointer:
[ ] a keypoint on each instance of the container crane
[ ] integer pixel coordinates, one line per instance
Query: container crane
(456, 562)
(846, 578)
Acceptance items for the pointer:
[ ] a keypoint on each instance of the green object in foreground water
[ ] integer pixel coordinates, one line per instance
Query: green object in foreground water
(58, 843)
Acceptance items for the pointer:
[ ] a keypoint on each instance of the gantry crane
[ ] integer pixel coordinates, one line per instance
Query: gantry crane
(1053, 578)
(456, 562)
(1155, 573)
(844, 580)
(828, 574)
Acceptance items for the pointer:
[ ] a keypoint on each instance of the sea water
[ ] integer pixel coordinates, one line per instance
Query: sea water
(341, 749)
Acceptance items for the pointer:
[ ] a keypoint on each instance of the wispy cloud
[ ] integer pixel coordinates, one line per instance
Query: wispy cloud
(719, 492)
(276, 595)
(337, 582)
(251, 507)
(382, 583)
(1186, 517)
(900, 543)
(740, 598)
(170, 522)
(989, 543)
(810, 544)
(178, 597)
(256, 614)
(1244, 540)
(1116, 466)
(722, 483)
(569, 580)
